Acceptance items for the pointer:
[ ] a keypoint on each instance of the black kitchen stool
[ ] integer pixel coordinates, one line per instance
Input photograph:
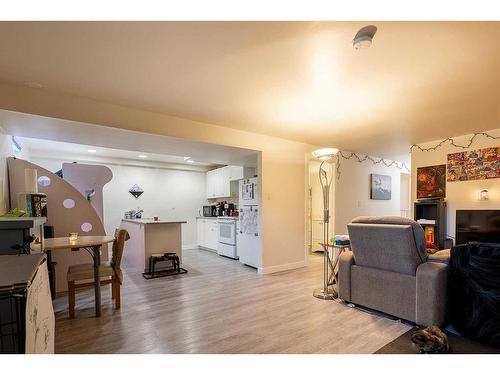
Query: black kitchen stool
(155, 258)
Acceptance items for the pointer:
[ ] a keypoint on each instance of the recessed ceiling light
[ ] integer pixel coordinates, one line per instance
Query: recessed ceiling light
(91, 150)
(142, 156)
(33, 85)
(190, 161)
(187, 158)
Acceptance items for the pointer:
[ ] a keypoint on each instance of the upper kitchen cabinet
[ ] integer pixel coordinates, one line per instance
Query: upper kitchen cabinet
(235, 173)
(219, 181)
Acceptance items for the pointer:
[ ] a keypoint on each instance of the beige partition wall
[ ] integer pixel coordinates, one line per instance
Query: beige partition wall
(88, 178)
(67, 211)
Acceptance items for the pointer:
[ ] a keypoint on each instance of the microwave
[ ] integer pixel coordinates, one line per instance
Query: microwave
(209, 211)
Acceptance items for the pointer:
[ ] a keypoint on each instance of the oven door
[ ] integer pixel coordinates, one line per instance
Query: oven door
(227, 231)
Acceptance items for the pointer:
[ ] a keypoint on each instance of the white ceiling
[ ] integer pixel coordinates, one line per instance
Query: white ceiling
(64, 150)
(298, 80)
(49, 137)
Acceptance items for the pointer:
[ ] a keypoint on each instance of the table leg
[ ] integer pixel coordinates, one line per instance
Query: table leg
(97, 279)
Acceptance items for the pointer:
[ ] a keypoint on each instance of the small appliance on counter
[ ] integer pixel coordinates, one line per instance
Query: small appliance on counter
(219, 208)
(208, 211)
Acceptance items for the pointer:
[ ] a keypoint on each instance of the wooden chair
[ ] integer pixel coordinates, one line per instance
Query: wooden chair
(110, 273)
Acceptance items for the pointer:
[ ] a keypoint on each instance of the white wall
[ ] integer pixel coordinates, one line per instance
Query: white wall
(170, 194)
(352, 193)
(459, 194)
(6, 151)
(282, 164)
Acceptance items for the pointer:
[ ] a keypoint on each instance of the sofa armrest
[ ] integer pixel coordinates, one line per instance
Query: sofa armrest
(346, 260)
(442, 256)
(432, 281)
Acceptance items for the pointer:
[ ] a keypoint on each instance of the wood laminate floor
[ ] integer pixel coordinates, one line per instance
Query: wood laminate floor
(221, 306)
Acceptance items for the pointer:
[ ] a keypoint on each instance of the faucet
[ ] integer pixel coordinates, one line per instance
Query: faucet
(138, 214)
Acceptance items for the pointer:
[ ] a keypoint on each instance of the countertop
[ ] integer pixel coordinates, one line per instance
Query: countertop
(17, 271)
(12, 222)
(151, 221)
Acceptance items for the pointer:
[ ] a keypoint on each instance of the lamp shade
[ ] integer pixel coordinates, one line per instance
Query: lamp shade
(325, 153)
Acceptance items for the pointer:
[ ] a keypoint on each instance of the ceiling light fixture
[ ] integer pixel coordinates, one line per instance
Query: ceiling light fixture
(364, 37)
(190, 161)
(325, 153)
(33, 85)
(142, 156)
(187, 158)
(91, 150)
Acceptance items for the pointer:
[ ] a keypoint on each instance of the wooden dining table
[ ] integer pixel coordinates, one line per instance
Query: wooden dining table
(93, 245)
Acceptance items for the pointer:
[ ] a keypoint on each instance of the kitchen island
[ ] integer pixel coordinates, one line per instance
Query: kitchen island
(149, 237)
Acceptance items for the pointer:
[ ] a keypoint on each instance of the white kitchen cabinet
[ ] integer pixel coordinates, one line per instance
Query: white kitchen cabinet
(200, 232)
(219, 181)
(211, 181)
(211, 234)
(235, 173)
(207, 233)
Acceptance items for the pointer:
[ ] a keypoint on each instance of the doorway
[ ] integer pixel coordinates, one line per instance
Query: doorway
(404, 186)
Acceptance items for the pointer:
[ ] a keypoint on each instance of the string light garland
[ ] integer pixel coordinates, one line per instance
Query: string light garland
(360, 158)
(452, 142)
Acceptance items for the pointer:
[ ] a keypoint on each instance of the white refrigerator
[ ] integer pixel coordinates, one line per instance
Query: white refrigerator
(248, 226)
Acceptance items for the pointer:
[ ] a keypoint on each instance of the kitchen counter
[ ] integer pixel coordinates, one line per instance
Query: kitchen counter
(151, 221)
(149, 237)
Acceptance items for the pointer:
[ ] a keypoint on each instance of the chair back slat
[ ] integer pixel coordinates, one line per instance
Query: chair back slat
(121, 235)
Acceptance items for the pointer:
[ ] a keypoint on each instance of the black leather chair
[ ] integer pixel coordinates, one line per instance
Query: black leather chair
(474, 291)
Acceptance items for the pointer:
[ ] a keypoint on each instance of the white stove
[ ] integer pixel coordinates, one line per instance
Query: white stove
(227, 237)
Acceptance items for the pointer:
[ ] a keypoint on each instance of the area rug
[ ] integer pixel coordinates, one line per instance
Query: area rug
(457, 343)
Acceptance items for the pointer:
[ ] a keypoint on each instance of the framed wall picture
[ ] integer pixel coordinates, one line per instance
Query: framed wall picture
(380, 187)
(480, 164)
(136, 191)
(431, 181)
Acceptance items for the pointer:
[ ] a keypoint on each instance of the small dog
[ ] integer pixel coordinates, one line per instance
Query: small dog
(431, 340)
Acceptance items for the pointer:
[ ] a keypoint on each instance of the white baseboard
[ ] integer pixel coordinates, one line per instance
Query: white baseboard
(281, 267)
(190, 247)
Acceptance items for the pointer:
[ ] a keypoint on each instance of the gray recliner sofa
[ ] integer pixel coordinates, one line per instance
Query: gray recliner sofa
(389, 270)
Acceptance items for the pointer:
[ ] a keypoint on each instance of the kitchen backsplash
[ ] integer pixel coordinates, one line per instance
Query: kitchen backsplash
(228, 200)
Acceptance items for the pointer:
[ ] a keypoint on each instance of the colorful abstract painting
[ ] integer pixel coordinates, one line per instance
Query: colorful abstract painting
(431, 181)
(474, 165)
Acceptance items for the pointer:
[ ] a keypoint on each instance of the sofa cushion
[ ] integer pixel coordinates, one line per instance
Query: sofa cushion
(441, 256)
(384, 246)
(418, 231)
(389, 292)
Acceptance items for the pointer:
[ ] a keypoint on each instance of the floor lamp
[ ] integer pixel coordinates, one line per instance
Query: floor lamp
(326, 155)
